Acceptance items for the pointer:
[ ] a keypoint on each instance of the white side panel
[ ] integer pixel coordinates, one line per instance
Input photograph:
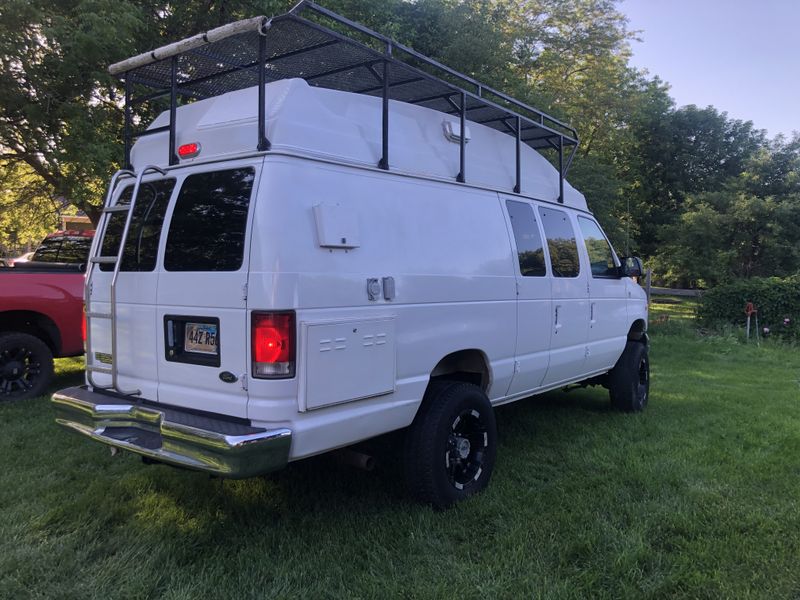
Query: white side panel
(445, 246)
(346, 361)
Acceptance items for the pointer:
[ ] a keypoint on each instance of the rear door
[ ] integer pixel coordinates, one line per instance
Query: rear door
(201, 320)
(135, 292)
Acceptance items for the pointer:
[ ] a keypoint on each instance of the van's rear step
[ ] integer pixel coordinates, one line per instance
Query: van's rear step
(172, 435)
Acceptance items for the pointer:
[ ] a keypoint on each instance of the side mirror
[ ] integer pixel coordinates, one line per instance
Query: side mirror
(631, 267)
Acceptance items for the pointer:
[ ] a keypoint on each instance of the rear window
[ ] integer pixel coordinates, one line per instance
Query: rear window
(141, 247)
(64, 249)
(208, 224)
(47, 250)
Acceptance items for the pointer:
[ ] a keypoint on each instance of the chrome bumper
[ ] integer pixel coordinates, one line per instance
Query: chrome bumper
(173, 435)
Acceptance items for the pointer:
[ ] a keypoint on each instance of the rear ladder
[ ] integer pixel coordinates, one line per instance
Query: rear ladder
(96, 259)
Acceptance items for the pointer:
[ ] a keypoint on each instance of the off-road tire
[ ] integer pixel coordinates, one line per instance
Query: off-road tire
(26, 366)
(440, 468)
(629, 380)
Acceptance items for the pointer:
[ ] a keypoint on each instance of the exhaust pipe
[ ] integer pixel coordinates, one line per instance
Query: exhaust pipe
(359, 460)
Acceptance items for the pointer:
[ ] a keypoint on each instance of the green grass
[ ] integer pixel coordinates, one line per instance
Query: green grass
(697, 497)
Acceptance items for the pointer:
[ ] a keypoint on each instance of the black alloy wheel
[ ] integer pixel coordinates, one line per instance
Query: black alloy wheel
(450, 447)
(26, 366)
(466, 449)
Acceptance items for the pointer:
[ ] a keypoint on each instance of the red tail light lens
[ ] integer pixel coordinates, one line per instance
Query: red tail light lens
(273, 340)
(83, 328)
(189, 150)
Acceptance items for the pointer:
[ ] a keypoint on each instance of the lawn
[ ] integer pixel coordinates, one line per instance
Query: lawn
(697, 497)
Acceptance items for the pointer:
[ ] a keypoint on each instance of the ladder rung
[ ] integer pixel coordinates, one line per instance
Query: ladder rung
(106, 370)
(97, 315)
(104, 260)
(117, 208)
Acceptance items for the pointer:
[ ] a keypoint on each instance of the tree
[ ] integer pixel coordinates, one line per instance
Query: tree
(27, 210)
(681, 152)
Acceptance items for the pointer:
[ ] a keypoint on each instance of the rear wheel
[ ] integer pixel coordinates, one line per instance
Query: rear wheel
(26, 366)
(451, 446)
(629, 380)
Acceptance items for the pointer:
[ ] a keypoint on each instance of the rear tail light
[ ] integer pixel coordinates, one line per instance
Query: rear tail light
(83, 328)
(273, 340)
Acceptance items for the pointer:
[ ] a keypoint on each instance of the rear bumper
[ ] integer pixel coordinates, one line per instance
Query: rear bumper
(173, 435)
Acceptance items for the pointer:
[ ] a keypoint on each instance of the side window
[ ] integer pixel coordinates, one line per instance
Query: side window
(560, 242)
(601, 256)
(529, 242)
(209, 221)
(144, 234)
(47, 250)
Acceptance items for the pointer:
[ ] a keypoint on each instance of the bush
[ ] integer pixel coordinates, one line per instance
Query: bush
(777, 301)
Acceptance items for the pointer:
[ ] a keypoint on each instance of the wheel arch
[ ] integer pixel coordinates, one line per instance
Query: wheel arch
(32, 323)
(470, 365)
(638, 331)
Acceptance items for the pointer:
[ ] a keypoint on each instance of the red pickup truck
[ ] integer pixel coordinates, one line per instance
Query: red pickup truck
(41, 313)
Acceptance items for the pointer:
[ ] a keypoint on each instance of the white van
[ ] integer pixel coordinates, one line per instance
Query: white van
(305, 265)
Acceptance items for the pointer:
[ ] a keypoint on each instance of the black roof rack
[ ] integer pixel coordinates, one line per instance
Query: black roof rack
(260, 50)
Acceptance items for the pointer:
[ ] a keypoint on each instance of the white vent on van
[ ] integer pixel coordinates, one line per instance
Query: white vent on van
(452, 131)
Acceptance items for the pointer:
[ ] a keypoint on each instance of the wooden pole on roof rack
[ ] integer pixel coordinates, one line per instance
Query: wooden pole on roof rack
(518, 186)
(263, 142)
(173, 109)
(384, 162)
(462, 142)
(126, 136)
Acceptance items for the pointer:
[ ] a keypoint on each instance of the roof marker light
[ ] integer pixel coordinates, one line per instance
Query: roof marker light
(189, 150)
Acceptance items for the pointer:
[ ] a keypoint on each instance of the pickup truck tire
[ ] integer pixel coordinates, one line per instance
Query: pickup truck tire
(26, 366)
(629, 380)
(450, 447)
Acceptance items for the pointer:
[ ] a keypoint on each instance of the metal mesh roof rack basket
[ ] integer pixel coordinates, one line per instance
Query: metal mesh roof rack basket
(330, 51)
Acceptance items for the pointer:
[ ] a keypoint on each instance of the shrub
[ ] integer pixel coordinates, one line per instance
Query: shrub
(777, 301)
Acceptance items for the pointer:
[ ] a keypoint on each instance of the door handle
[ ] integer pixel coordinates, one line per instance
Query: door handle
(591, 312)
(557, 324)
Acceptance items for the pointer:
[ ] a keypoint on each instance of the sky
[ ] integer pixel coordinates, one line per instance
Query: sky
(741, 56)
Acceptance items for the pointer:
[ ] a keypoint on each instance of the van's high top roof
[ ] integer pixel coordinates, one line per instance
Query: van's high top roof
(394, 107)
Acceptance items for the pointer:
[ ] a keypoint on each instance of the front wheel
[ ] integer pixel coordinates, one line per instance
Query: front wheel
(26, 366)
(451, 445)
(629, 380)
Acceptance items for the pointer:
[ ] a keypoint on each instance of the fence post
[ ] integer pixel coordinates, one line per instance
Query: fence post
(647, 280)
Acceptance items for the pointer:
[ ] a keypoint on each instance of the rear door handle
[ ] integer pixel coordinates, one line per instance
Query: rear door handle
(557, 323)
(591, 313)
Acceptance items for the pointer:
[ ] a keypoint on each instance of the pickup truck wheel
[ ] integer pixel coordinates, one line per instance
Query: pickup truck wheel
(451, 445)
(26, 366)
(629, 380)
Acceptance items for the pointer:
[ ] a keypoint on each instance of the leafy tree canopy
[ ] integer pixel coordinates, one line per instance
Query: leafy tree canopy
(660, 178)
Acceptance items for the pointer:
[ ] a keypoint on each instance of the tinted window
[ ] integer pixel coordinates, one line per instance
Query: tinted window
(209, 221)
(47, 250)
(141, 246)
(75, 249)
(560, 242)
(601, 257)
(529, 242)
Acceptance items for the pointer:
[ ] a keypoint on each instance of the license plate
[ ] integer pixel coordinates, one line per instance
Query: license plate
(201, 338)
